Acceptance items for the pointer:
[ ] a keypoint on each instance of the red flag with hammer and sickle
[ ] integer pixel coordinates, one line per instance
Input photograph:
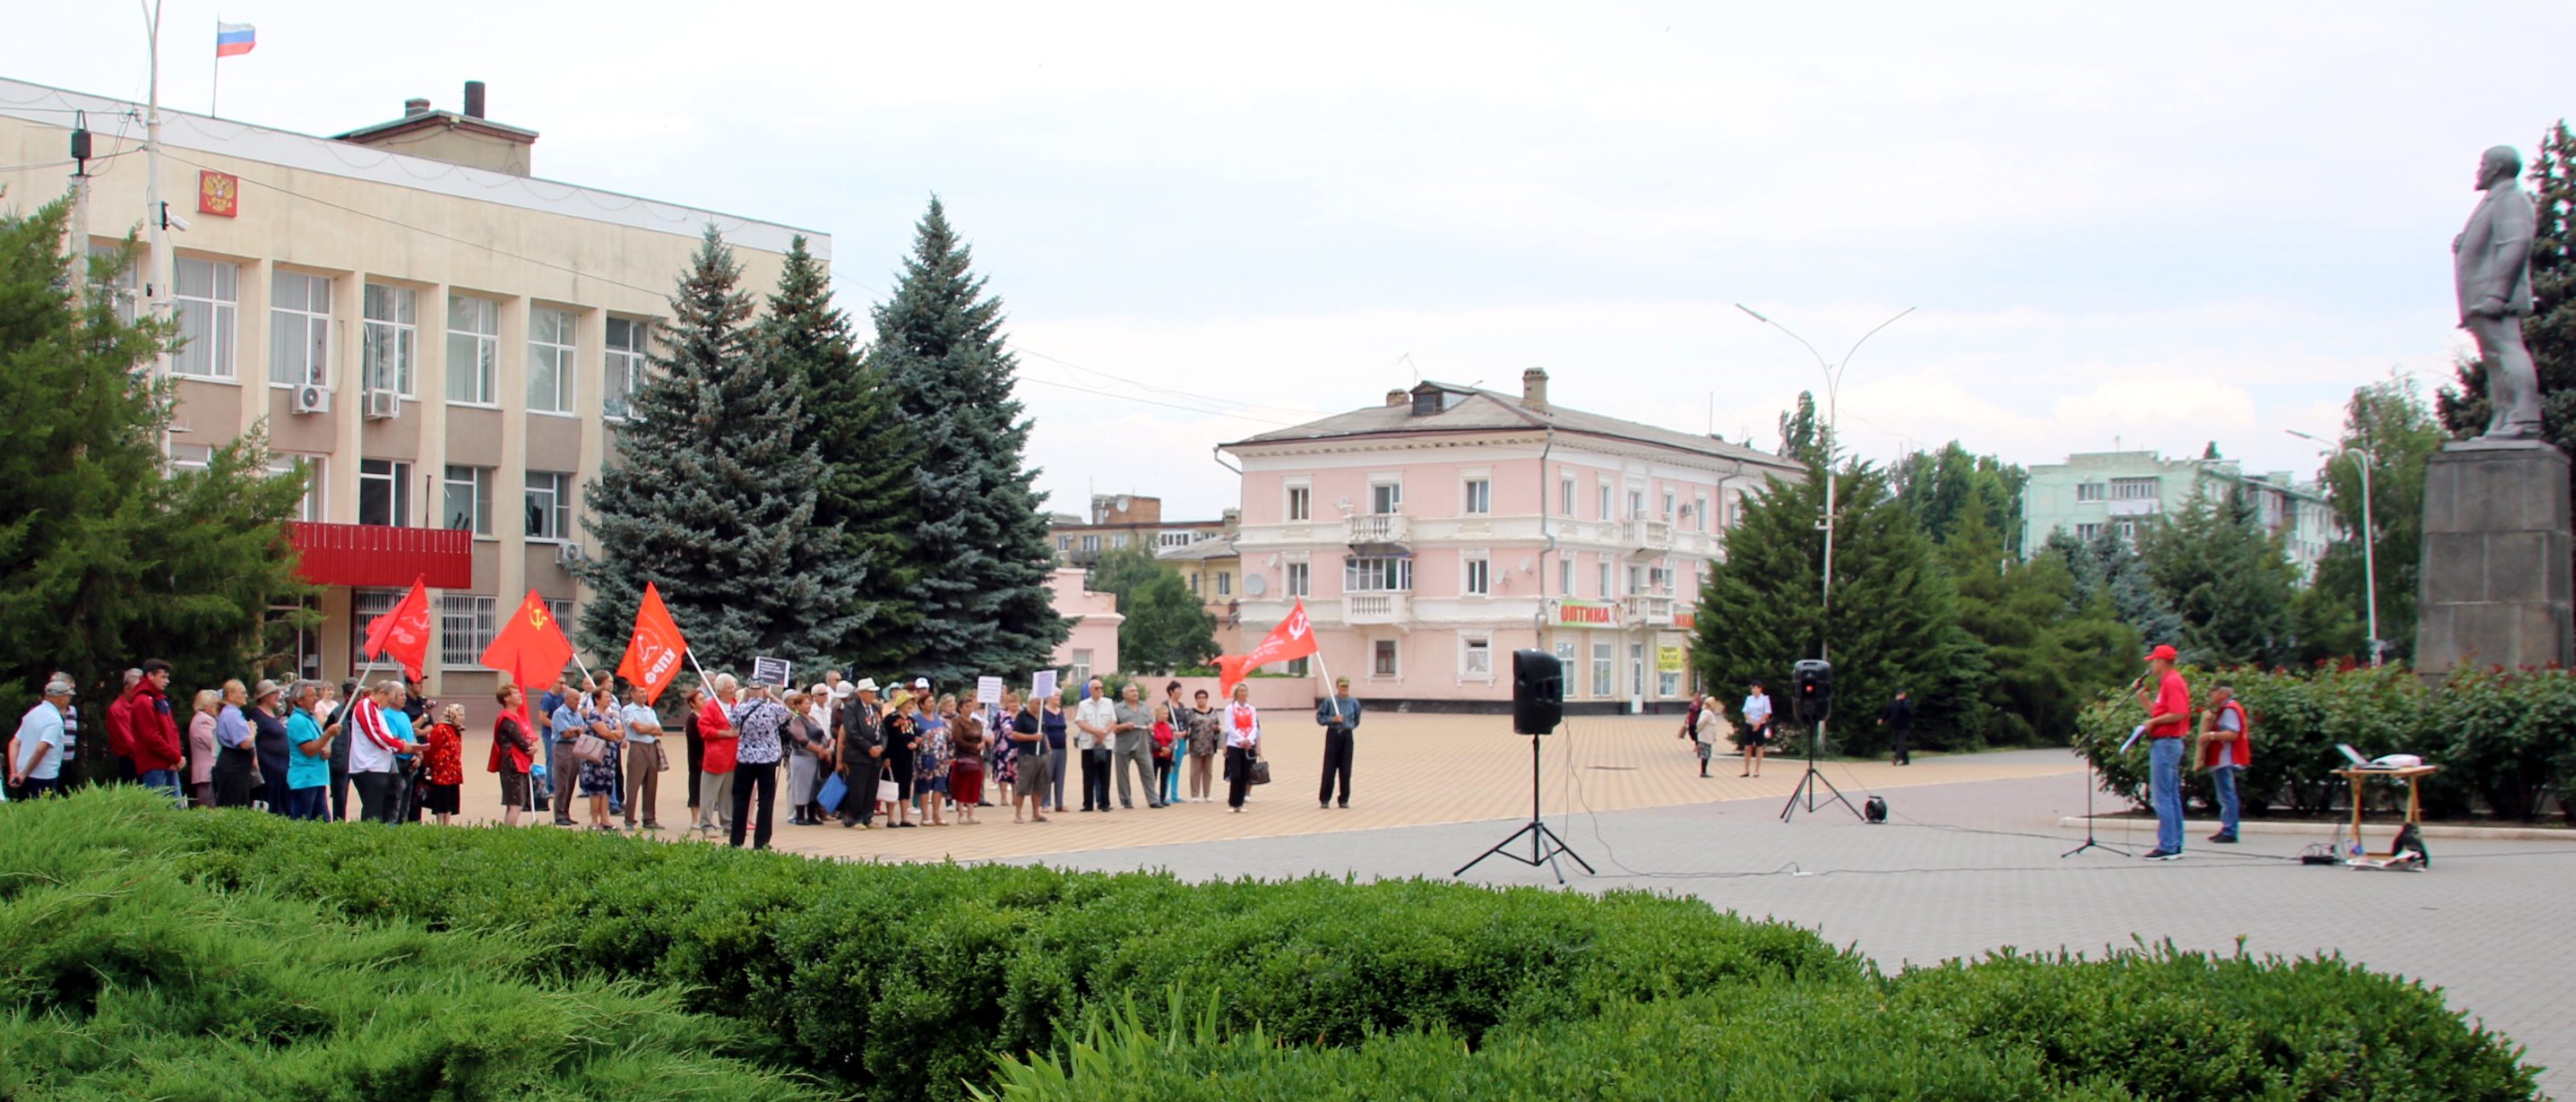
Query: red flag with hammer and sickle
(1294, 638)
(403, 631)
(531, 648)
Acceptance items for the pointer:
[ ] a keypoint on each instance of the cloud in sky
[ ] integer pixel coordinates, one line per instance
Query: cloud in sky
(2165, 224)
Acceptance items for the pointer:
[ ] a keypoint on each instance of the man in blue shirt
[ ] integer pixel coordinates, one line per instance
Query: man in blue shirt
(36, 750)
(1339, 715)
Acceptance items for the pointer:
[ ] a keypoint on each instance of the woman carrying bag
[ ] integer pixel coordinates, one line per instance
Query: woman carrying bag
(1242, 745)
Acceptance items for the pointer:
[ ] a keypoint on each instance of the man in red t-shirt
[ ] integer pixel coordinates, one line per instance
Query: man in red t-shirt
(2168, 707)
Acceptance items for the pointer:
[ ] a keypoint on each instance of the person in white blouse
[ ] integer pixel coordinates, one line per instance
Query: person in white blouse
(1242, 744)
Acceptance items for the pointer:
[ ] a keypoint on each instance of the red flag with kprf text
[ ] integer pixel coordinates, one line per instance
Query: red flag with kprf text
(656, 651)
(1294, 638)
(404, 631)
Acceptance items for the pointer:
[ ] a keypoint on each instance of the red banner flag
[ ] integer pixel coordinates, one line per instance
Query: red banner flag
(404, 631)
(1293, 638)
(655, 652)
(531, 647)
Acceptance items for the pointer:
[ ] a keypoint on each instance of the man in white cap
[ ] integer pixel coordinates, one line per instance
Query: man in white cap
(858, 727)
(36, 750)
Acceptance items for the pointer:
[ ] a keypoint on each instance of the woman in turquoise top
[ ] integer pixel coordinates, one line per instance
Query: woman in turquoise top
(308, 755)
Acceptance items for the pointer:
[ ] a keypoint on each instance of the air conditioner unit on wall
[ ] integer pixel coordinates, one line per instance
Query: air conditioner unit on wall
(383, 405)
(310, 399)
(567, 553)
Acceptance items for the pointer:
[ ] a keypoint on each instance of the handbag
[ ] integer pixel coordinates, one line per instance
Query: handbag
(661, 759)
(887, 790)
(834, 791)
(1260, 771)
(590, 749)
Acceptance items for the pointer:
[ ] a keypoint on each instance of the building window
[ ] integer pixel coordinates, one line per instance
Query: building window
(1224, 583)
(208, 295)
(1636, 504)
(1636, 578)
(1565, 659)
(469, 499)
(1384, 660)
(551, 360)
(1175, 539)
(1118, 539)
(305, 653)
(1386, 497)
(191, 457)
(1735, 510)
(310, 509)
(1601, 505)
(364, 606)
(391, 341)
(1383, 574)
(1668, 683)
(1081, 665)
(2088, 532)
(1301, 667)
(473, 350)
(1605, 581)
(1301, 501)
(1602, 683)
(384, 492)
(1565, 576)
(549, 505)
(1668, 506)
(1476, 657)
(2090, 491)
(1064, 543)
(466, 624)
(1699, 511)
(1477, 579)
(1480, 496)
(2134, 489)
(123, 288)
(299, 329)
(1565, 497)
(1091, 542)
(1636, 669)
(2129, 531)
(625, 365)
(1300, 582)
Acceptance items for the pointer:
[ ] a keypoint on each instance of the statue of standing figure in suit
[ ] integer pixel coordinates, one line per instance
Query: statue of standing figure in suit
(2492, 262)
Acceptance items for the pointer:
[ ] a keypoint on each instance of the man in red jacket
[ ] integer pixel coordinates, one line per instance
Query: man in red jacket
(153, 730)
(120, 730)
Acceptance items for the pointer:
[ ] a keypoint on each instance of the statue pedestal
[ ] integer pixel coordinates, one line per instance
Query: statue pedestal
(2497, 542)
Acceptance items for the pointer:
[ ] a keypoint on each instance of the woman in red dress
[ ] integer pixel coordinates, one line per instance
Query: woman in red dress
(966, 770)
(443, 763)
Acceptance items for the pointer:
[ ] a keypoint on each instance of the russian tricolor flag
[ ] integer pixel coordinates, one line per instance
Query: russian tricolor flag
(234, 39)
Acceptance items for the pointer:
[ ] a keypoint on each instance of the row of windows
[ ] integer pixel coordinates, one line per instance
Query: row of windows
(2120, 489)
(1475, 658)
(207, 298)
(384, 496)
(1476, 498)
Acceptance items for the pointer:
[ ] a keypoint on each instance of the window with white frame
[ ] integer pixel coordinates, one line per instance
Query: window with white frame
(1301, 667)
(1064, 543)
(1386, 497)
(1118, 539)
(1565, 658)
(1603, 682)
(473, 350)
(2129, 531)
(1091, 542)
(1385, 659)
(561, 610)
(1301, 501)
(191, 457)
(1601, 506)
(549, 505)
(1565, 496)
(1300, 582)
(469, 499)
(1662, 579)
(1565, 576)
(1668, 506)
(1377, 574)
(207, 295)
(1476, 576)
(1479, 496)
(1605, 579)
(551, 360)
(2091, 491)
(123, 287)
(1734, 510)
(390, 344)
(1699, 511)
(1636, 669)
(1476, 657)
(299, 329)
(1636, 504)
(365, 605)
(2088, 532)
(466, 624)
(281, 463)
(1175, 539)
(1081, 665)
(1225, 583)
(304, 654)
(1668, 683)
(384, 492)
(625, 365)
(1636, 578)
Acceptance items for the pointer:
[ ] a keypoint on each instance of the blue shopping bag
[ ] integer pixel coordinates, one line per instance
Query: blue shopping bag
(834, 791)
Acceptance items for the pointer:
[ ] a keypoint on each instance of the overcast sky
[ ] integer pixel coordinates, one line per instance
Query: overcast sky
(2160, 225)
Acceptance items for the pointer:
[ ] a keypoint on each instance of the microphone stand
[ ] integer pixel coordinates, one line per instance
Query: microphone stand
(2092, 784)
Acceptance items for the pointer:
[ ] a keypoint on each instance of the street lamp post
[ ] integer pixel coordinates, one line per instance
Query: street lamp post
(2369, 537)
(1833, 419)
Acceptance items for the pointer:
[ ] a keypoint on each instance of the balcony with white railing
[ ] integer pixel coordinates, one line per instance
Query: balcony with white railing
(1379, 528)
(1649, 609)
(1376, 608)
(1647, 535)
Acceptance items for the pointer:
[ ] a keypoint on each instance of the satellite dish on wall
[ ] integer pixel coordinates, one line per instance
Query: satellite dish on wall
(1255, 585)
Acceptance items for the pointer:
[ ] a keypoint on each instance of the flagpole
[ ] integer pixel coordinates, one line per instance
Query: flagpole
(709, 686)
(215, 98)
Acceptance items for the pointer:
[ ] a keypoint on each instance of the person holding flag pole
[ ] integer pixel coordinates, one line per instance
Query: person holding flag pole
(654, 651)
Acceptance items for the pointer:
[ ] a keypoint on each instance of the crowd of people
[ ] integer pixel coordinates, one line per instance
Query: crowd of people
(853, 753)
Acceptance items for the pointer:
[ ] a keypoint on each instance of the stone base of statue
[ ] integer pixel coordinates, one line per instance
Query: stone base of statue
(2497, 547)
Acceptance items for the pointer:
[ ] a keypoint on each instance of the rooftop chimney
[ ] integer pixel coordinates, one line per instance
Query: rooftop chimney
(1397, 398)
(1534, 389)
(415, 106)
(473, 99)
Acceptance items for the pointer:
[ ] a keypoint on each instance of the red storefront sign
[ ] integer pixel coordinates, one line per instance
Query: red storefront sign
(382, 556)
(1591, 613)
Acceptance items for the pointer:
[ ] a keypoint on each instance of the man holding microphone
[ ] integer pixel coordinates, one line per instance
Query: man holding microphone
(2168, 705)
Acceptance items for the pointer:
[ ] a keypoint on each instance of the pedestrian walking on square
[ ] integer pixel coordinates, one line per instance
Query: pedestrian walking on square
(1339, 716)
(1133, 724)
(2224, 751)
(1899, 721)
(930, 762)
(1757, 728)
(1095, 722)
(2168, 704)
(1242, 745)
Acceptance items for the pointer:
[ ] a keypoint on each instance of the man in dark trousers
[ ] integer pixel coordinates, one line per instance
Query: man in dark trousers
(859, 727)
(1339, 715)
(1899, 721)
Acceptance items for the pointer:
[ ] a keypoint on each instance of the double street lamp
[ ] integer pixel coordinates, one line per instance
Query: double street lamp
(2369, 554)
(1833, 409)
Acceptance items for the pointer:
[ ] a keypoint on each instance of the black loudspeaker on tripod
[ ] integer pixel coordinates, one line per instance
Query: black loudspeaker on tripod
(1538, 705)
(1811, 685)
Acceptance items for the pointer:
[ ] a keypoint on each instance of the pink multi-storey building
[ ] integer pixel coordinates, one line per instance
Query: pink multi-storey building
(1432, 535)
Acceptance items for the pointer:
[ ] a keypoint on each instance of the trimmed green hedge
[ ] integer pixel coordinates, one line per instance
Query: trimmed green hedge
(2506, 740)
(124, 979)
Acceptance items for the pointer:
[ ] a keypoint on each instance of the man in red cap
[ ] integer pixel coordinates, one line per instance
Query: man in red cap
(2168, 707)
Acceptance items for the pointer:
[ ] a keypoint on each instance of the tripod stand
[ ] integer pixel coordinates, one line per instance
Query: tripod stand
(1545, 846)
(1807, 784)
(2092, 783)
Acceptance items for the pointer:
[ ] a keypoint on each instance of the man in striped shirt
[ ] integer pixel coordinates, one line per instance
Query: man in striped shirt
(371, 753)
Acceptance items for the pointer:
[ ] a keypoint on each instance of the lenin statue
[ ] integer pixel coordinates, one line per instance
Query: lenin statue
(2492, 258)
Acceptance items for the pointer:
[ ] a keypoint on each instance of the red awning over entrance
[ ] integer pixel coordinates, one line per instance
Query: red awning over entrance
(379, 556)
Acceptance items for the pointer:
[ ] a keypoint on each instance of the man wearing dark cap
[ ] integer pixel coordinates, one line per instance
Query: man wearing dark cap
(2168, 705)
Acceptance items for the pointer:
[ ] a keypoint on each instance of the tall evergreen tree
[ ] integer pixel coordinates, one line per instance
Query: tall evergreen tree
(1805, 437)
(108, 557)
(1894, 622)
(978, 552)
(2226, 579)
(1943, 487)
(866, 488)
(2050, 654)
(2108, 569)
(710, 494)
(2389, 422)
